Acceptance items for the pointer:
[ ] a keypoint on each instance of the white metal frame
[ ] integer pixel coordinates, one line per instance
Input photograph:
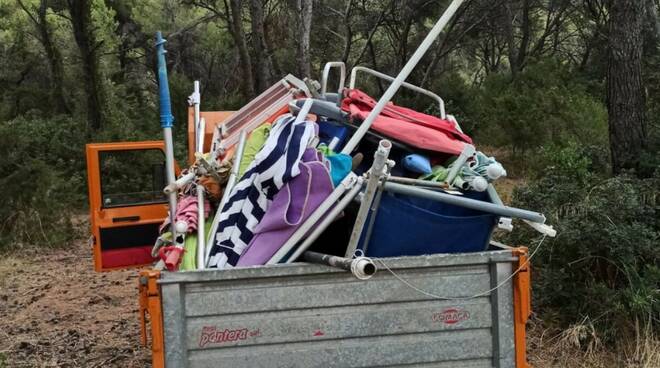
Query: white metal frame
(326, 73)
(353, 80)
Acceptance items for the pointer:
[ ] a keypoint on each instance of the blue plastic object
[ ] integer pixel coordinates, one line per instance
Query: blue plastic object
(417, 164)
(331, 130)
(166, 118)
(411, 226)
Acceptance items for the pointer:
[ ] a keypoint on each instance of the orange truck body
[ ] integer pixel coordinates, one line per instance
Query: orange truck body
(150, 306)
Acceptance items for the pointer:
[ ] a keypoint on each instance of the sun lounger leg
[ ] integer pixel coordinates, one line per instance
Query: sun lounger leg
(375, 174)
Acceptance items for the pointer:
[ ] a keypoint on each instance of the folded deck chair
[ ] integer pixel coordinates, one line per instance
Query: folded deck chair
(414, 128)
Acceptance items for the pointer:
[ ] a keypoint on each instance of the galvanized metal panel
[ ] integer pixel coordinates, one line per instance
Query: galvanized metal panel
(304, 315)
(326, 290)
(337, 323)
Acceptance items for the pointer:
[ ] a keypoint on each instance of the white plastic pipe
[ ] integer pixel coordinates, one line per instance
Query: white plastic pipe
(398, 81)
(200, 138)
(468, 151)
(179, 183)
(200, 127)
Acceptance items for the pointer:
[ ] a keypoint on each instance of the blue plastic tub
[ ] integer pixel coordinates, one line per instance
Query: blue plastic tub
(411, 226)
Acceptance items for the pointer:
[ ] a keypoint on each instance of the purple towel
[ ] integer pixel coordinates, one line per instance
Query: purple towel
(291, 206)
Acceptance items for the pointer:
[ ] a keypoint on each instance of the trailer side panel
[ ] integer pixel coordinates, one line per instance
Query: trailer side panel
(304, 315)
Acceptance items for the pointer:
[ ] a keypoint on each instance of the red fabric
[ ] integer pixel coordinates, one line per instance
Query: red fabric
(126, 257)
(407, 125)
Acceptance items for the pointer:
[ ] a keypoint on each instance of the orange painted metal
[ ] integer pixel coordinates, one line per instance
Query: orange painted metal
(102, 217)
(150, 305)
(522, 305)
(213, 119)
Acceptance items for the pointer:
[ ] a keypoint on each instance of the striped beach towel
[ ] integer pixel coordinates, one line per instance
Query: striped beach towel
(276, 163)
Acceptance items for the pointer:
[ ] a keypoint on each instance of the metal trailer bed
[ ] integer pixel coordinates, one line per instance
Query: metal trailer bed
(303, 315)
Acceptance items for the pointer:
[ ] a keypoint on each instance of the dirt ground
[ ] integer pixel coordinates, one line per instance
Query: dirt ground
(55, 311)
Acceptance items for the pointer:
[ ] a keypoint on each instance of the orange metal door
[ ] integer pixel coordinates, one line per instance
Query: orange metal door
(126, 201)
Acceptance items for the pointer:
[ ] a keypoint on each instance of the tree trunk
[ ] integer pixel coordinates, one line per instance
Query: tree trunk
(348, 33)
(236, 28)
(54, 62)
(625, 90)
(402, 48)
(132, 37)
(53, 56)
(372, 32)
(304, 30)
(262, 61)
(83, 33)
(510, 39)
(526, 35)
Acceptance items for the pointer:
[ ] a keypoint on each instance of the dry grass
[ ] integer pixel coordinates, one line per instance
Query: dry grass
(579, 346)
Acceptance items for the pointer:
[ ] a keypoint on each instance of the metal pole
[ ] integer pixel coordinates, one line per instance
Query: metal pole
(466, 202)
(200, 127)
(166, 122)
(441, 102)
(231, 181)
(505, 222)
(362, 267)
(320, 228)
(417, 182)
(398, 81)
(373, 210)
(326, 74)
(349, 182)
(468, 151)
(375, 173)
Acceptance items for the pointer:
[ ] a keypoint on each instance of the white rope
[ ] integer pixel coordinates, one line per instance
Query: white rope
(467, 297)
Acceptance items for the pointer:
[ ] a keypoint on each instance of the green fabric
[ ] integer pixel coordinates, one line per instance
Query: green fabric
(438, 173)
(253, 144)
(189, 260)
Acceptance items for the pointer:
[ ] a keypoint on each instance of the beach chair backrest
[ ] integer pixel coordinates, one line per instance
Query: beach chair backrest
(412, 87)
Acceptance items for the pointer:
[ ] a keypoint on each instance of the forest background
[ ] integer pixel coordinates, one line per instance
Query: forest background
(565, 92)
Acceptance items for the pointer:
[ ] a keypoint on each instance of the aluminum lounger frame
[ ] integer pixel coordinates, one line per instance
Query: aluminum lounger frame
(259, 109)
(355, 70)
(362, 130)
(314, 228)
(339, 199)
(326, 74)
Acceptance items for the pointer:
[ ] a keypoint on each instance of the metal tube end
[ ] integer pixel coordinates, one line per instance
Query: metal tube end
(363, 268)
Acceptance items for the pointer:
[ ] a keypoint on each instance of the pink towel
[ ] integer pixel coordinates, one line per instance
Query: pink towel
(186, 211)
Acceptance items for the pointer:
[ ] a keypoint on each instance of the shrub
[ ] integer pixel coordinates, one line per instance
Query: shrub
(544, 104)
(41, 176)
(603, 264)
